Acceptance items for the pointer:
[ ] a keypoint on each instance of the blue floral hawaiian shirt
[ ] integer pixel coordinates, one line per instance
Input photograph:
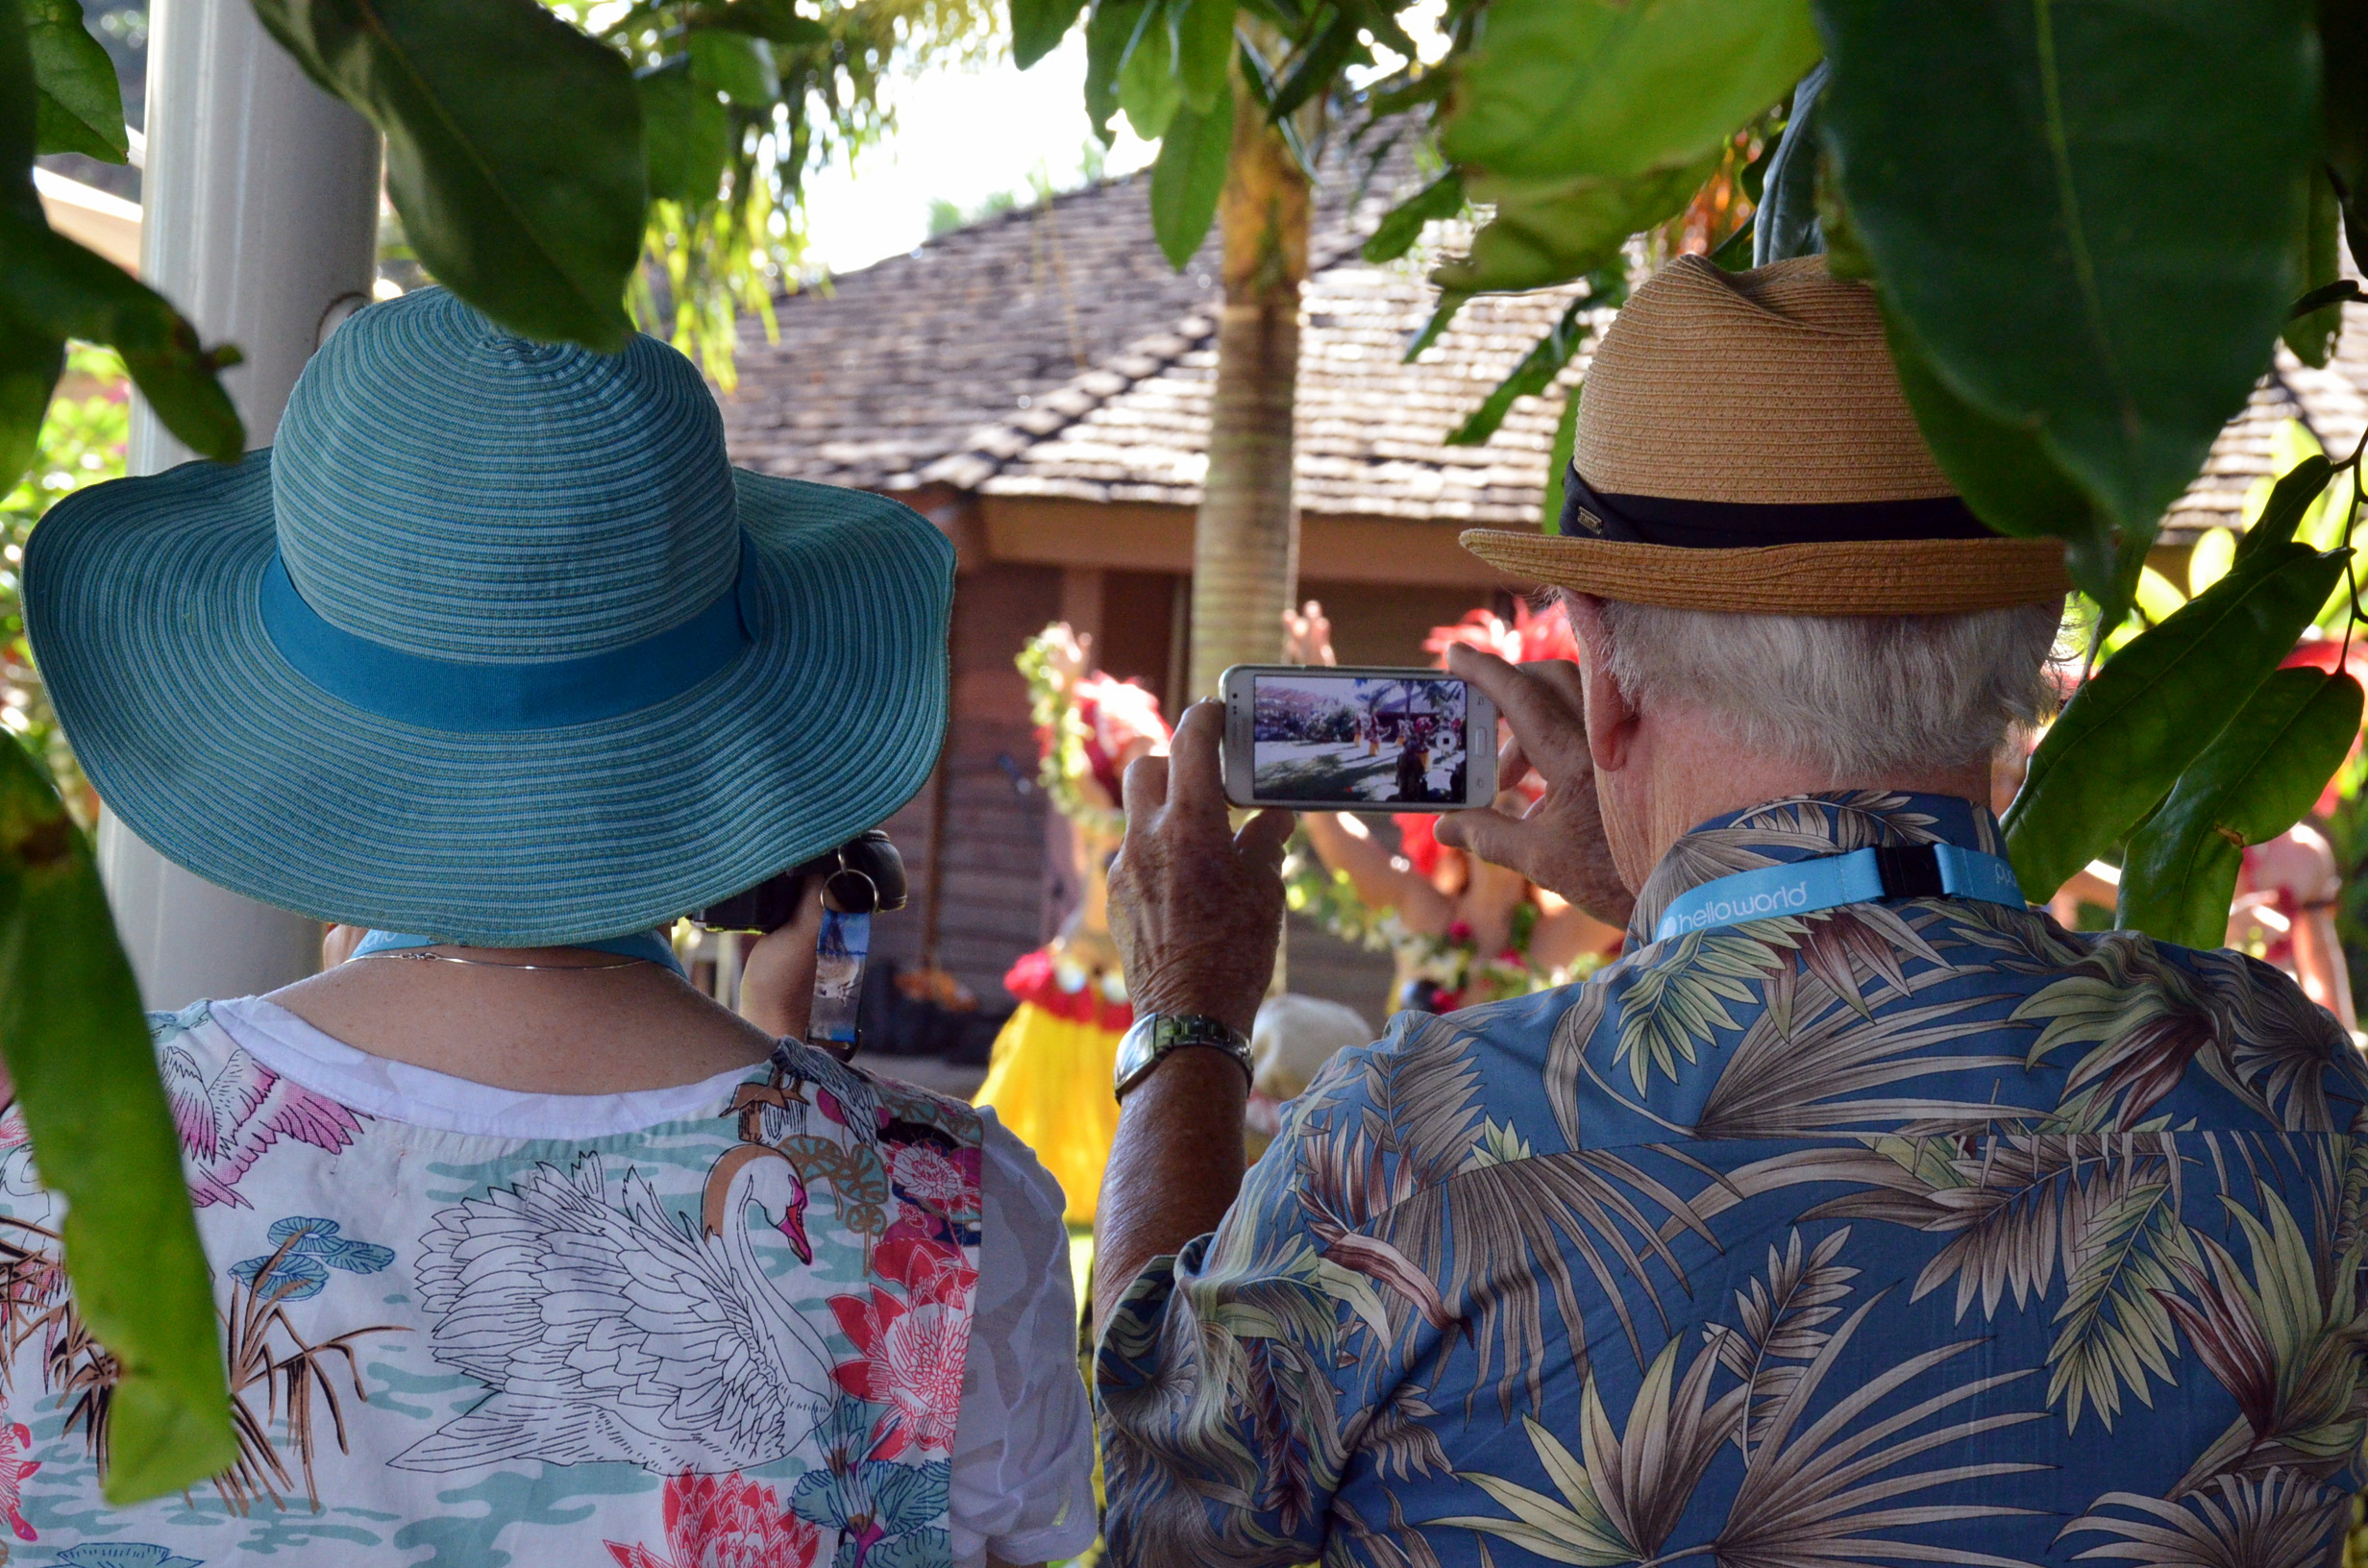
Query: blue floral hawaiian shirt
(1922, 1231)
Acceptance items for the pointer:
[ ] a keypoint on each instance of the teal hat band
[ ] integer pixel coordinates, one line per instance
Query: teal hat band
(483, 699)
(650, 946)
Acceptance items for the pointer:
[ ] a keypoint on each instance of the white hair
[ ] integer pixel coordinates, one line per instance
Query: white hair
(1860, 695)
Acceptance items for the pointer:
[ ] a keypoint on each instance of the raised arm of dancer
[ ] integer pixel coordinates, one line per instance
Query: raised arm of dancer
(1345, 844)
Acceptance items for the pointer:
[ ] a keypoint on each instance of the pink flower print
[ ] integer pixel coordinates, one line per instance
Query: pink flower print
(726, 1522)
(924, 1171)
(15, 1441)
(910, 1345)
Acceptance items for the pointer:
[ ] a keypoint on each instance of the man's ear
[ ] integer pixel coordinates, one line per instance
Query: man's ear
(1612, 718)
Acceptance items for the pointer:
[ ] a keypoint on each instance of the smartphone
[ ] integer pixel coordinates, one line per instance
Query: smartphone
(1315, 738)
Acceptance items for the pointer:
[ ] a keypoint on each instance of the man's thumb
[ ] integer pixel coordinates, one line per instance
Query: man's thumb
(1262, 838)
(1487, 832)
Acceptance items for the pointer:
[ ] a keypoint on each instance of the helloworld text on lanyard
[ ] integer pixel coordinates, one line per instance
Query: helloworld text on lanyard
(1861, 876)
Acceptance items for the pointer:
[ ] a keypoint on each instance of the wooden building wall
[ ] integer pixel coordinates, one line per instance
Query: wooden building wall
(1003, 885)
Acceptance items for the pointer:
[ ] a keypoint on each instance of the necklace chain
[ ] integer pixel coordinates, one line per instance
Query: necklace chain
(422, 955)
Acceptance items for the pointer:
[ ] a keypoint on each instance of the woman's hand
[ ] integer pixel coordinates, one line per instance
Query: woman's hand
(1559, 843)
(1194, 907)
(777, 974)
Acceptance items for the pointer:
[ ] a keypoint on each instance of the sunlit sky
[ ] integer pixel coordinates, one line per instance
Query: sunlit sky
(964, 135)
(961, 135)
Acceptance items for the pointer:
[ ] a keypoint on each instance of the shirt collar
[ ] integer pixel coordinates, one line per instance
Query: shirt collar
(1803, 827)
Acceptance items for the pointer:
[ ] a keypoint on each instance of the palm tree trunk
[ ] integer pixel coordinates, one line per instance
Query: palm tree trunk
(1245, 544)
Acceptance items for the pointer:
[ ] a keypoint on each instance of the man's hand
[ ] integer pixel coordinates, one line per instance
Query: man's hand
(1559, 844)
(1195, 908)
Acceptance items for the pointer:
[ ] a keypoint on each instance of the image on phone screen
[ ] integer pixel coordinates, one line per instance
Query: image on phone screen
(1340, 737)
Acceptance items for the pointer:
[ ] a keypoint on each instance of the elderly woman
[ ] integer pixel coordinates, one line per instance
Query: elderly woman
(496, 656)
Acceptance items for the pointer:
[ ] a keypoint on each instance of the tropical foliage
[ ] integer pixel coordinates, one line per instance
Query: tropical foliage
(1857, 1256)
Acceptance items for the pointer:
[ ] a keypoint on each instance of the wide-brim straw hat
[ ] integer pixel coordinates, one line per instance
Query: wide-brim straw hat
(1743, 445)
(493, 646)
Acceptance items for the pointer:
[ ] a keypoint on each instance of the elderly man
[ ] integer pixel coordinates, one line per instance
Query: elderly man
(1860, 1214)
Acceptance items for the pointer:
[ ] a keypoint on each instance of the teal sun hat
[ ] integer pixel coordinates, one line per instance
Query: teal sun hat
(494, 643)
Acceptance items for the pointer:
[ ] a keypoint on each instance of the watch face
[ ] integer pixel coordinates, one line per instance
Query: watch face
(1134, 1053)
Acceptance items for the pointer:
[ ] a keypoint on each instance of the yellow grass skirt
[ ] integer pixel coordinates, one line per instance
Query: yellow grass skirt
(1049, 1081)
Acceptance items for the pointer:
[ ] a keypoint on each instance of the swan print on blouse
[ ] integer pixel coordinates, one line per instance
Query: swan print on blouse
(733, 1339)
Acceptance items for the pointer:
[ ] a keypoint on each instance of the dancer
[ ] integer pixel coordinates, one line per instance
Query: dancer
(1462, 931)
(1049, 1078)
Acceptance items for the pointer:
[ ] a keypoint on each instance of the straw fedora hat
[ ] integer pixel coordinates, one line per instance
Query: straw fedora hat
(1744, 446)
(495, 645)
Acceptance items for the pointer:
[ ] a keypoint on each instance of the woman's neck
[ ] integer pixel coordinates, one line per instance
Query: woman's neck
(576, 1023)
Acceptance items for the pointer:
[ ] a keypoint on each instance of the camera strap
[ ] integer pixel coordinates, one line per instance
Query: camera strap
(1862, 876)
(840, 949)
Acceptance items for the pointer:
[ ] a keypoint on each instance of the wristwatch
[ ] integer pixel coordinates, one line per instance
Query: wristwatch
(1155, 1034)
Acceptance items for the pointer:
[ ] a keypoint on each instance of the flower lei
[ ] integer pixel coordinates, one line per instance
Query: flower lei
(1451, 963)
(1061, 735)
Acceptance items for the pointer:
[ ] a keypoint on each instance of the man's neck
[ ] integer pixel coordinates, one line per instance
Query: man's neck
(1698, 774)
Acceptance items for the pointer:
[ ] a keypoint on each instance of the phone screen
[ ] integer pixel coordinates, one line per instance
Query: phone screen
(1324, 738)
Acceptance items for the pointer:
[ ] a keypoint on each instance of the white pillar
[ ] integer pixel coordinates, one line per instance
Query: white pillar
(260, 222)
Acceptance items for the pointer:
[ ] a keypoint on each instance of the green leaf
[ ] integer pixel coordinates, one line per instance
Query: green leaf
(2343, 107)
(1450, 302)
(1557, 461)
(2289, 502)
(1038, 26)
(2251, 784)
(1108, 32)
(1557, 90)
(53, 289)
(1402, 225)
(514, 149)
(1733, 252)
(1541, 238)
(2313, 337)
(79, 105)
(1536, 372)
(2152, 708)
(777, 21)
(29, 360)
(2067, 205)
(686, 135)
(18, 115)
(84, 1071)
(1318, 66)
(1149, 90)
(736, 64)
(1202, 40)
(1189, 177)
(1787, 219)
(2005, 473)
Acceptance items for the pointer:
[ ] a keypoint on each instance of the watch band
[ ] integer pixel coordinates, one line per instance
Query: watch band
(1154, 1034)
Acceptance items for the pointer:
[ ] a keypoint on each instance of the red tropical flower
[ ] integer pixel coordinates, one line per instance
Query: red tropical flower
(910, 1344)
(14, 1442)
(726, 1522)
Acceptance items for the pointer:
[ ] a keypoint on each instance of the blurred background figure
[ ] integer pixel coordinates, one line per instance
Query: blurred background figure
(1461, 931)
(1049, 1078)
(1293, 1038)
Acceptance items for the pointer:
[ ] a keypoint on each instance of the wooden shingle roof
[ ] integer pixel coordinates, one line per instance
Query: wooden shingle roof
(1053, 351)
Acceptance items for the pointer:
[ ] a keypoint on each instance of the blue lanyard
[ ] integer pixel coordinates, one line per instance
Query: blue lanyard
(652, 945)
(1930, 870)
